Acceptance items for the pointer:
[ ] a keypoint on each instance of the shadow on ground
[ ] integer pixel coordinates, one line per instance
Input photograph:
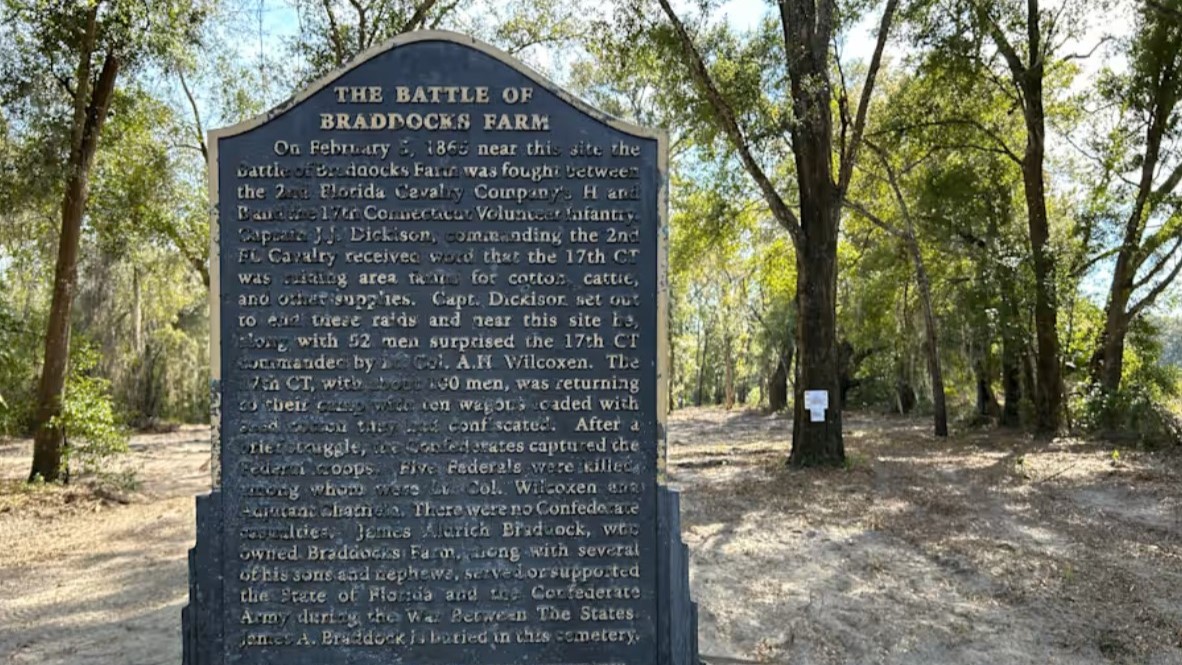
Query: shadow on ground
(985, 548)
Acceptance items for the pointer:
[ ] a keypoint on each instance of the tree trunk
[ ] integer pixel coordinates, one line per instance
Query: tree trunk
(939, 407)
(808, 28)
(987, 406)
(1029, 387)
(847, 369)
(137, 311)
(777, 389)
(90, 114)
(1107, 364)
(1012, 346)
(699, 397)
(817, 443)
(1049, 395)
(1114, 352)
(1011, 386)
(728, 385)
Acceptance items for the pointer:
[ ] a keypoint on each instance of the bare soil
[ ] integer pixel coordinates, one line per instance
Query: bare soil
(986, 548)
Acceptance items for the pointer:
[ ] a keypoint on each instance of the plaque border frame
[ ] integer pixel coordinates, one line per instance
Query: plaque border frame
(668, 526)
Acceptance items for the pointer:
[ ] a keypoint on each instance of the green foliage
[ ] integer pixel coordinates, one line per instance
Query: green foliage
(946, 116)
(334, 33)
(1138, 409)
(19, 341)
(94, 435)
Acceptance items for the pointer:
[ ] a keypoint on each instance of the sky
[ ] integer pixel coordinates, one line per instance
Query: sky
(276, 20)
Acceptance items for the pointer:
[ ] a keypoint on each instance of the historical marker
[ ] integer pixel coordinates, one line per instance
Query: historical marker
(439, 324)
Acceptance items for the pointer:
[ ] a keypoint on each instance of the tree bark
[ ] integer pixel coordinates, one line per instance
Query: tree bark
(1011, 385)
(1011, 367)
(987, 406)
(1029, 387)
(728, 389)
(777, 390)
(137, 312)
(808, 27)
(90, 115)
(704, 335)
(817, 443)
(939, 407)
(1049, 403)
(1108, 364)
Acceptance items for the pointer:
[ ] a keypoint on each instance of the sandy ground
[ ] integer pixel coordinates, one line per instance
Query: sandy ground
(987, 548)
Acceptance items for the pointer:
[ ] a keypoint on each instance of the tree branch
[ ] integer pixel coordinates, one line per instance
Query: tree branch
(1078, 272)
(1084, 56)
(1170, 183)
(82, 89)
(65, 84)
(447, 9)
(1158, 267)
(334, 34)
(363, 37)
(875, 219)
(1003, 148)
(893, 180)
(1033, 33)
(843, 104)
(197, 262)
(104, 90)
(1017, 69)
(417, 19)
(850, 156)
(1156, 291)
(1161, 8)
(730, 126)
(200, 131)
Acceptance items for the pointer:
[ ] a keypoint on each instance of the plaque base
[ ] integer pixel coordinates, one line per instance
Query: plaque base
(201, 618)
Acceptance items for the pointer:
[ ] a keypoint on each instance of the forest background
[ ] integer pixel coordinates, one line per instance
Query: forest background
(961, 209)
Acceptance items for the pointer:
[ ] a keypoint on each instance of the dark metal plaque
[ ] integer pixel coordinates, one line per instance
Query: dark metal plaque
(440, 299)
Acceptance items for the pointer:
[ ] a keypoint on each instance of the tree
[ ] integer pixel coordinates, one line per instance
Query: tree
(1142, 142)
(100, 39)
(335, 33)
(1024, 39)
(807, 31)
(905, 232)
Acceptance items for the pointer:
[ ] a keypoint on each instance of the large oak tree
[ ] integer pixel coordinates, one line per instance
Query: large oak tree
(823, 159)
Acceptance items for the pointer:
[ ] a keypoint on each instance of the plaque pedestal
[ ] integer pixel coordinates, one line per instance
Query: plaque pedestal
(201, 618)
(447, 333)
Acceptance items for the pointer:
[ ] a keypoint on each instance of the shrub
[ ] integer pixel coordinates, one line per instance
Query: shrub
(94, 433)
(1138, 410)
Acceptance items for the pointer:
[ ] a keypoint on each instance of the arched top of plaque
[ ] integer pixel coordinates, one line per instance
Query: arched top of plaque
(426, 36)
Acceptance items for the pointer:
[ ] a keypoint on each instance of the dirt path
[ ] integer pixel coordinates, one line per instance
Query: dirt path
(90, 581)
(984, 549)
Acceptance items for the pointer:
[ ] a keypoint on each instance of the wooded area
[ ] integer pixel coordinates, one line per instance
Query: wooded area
(962, 208)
